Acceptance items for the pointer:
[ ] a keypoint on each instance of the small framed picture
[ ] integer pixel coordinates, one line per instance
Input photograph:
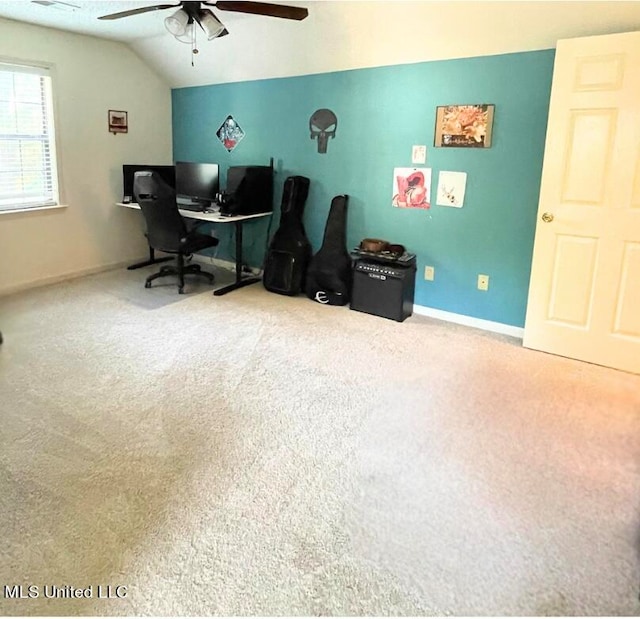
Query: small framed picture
(464, 126)
(230, 133)
(118, 122)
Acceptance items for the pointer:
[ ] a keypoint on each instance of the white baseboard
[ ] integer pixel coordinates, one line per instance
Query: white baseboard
(461, 319)
(56, 279)
(469, 321)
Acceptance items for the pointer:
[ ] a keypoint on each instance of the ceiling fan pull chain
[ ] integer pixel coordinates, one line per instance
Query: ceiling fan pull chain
(194, 48)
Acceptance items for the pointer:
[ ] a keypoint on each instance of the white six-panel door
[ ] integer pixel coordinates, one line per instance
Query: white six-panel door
(584, 294)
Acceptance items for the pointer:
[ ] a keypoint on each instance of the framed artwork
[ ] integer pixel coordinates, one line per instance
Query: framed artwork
(118, 122)
(464, 126)
(230, 133)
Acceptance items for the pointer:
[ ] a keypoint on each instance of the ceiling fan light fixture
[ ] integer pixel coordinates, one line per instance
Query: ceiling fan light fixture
(177, 23)
(188, 35)
(210, 24)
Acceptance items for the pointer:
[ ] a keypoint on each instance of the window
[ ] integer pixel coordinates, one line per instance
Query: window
(28, 173)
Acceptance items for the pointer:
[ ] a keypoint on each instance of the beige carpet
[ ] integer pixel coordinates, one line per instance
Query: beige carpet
(260, 454)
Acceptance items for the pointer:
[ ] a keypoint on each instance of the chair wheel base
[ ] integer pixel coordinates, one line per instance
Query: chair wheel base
(179, 271)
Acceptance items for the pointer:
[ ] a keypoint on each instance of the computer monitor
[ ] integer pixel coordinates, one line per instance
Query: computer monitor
(167, 172)
(197, 181)
(249, 190)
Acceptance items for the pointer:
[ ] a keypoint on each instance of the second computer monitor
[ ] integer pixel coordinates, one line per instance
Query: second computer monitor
(197, 181)
(249, 190)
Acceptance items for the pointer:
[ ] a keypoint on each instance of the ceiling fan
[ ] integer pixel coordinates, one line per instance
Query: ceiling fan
(182, 23)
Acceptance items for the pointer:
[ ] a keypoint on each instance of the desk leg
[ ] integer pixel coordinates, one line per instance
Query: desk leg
(240, 281)
(152, 260)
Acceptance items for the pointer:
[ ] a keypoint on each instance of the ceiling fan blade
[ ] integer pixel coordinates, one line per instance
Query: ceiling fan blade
(56, 4)
(261, 8)
(144, 9)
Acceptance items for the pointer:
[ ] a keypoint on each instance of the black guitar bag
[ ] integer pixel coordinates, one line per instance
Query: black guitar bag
(329, 274)
(289, 251)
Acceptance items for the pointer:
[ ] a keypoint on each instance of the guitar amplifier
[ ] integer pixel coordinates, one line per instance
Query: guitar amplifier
(384, 288)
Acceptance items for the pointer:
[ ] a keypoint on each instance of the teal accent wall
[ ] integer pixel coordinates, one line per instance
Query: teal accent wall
(382, 112)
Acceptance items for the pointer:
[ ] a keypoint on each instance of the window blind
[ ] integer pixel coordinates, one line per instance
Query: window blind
(28, 175)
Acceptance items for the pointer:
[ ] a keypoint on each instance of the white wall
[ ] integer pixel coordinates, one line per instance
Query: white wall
(344, 34)
(91, 76)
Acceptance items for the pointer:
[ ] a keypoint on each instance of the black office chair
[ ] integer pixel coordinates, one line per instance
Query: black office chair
(166, 230)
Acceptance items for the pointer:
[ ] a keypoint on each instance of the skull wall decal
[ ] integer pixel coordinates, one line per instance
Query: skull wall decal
(322, 126)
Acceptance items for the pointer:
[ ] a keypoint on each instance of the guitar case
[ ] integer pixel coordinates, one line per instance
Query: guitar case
(329, 275)
(289, 251)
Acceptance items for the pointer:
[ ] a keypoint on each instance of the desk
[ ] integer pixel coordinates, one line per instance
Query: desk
(214, 218)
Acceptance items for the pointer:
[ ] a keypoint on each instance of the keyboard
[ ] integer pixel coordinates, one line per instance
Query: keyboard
(191, 206)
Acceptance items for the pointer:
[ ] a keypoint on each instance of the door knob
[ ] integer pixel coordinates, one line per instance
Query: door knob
(547, 217)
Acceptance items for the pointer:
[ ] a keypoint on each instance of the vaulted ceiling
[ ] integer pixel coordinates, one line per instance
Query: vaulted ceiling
(337, 35)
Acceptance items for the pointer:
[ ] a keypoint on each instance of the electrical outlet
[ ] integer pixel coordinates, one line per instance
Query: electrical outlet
(429, 273)
(483, 282)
